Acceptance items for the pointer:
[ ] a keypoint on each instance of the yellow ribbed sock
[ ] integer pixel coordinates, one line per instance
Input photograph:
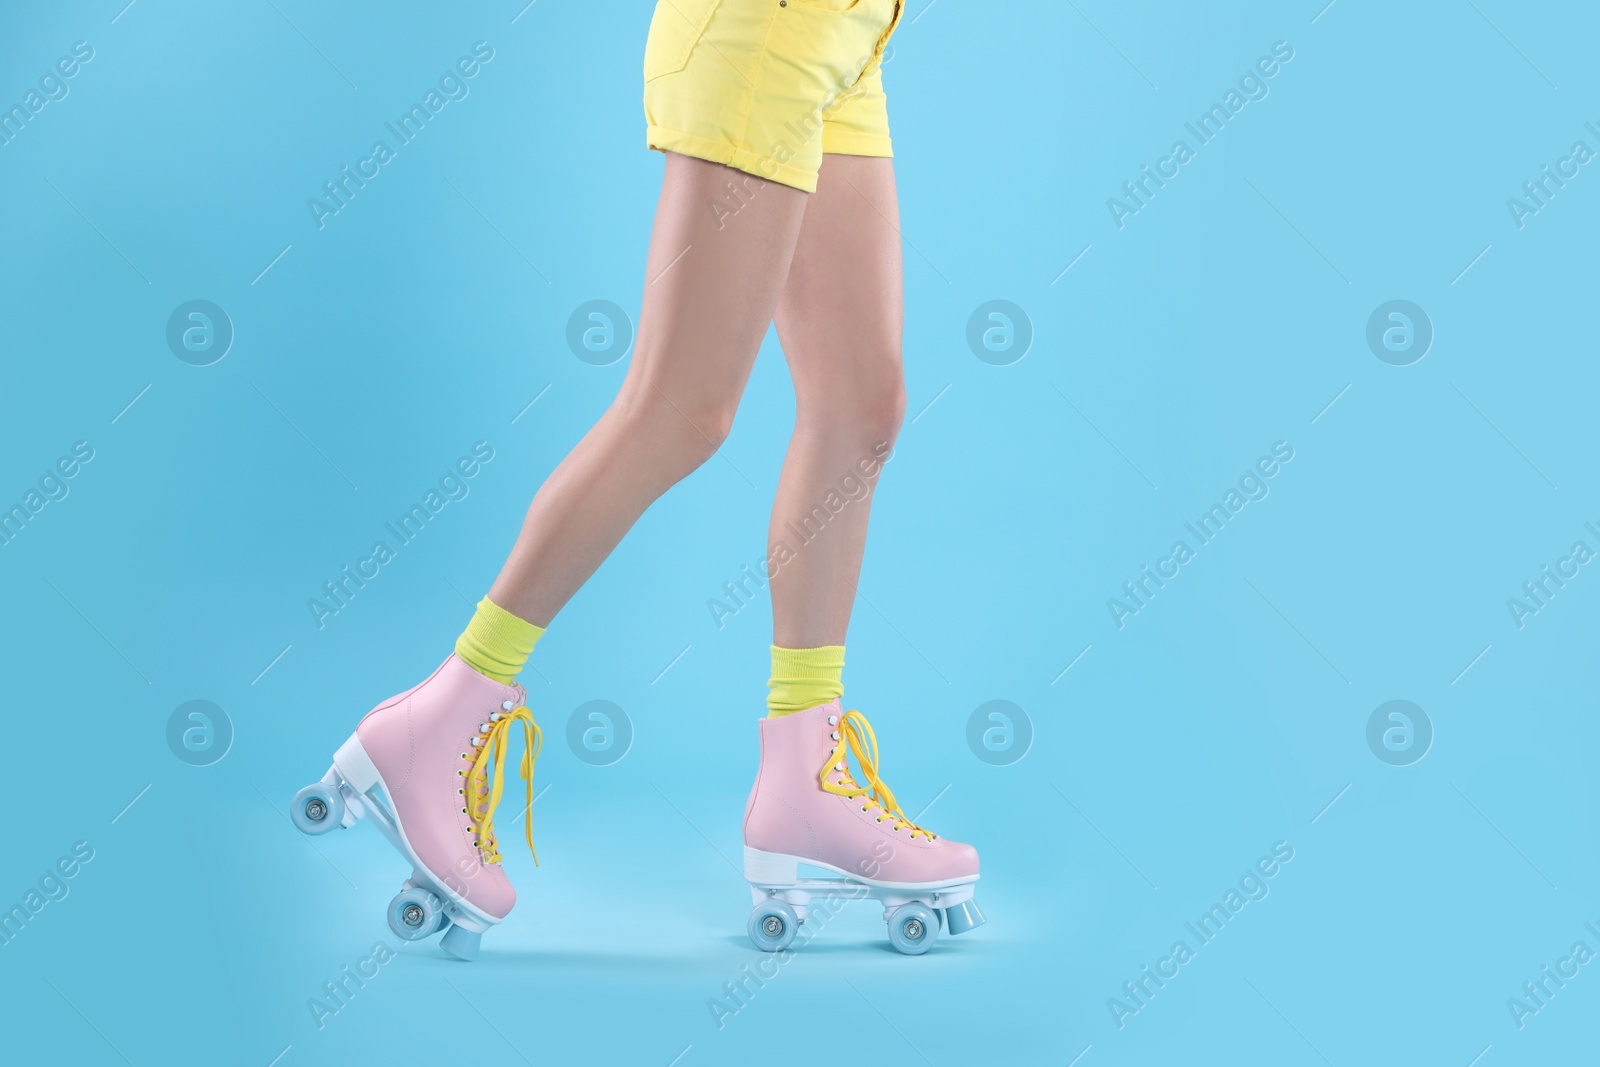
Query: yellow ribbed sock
(803, 678)
(497, 643)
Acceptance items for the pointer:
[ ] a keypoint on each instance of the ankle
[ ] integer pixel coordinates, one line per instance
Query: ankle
(803, 678)
(497, 643)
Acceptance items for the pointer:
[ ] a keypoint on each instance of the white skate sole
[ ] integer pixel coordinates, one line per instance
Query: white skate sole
(783, 888)
(353, 790)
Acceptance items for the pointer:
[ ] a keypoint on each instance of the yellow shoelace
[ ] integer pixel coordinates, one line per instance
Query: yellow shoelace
(855, 732)
(485, 799)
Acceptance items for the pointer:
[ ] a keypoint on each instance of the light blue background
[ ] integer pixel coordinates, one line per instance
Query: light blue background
(1228, 715)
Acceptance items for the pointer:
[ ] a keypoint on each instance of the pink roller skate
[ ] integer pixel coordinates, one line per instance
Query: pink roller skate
(427, 767)
(808, 811)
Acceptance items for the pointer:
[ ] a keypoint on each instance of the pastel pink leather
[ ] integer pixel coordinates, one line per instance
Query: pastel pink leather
(789, 812)
(416, 741)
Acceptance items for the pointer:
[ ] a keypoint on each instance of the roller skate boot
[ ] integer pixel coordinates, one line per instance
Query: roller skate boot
(427, 767)
(813, 831)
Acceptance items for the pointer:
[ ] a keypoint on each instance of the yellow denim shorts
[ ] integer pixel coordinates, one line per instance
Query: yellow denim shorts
(768, 86)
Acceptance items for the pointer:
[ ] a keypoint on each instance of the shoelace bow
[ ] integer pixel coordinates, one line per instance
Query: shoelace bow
(855, 732)
(485, 798)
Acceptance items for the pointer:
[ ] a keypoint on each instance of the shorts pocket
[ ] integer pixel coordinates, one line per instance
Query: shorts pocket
(675, 28)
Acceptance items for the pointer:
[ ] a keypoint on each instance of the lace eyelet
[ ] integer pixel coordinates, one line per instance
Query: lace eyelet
(463, 811)
(863, 811)
(506, 705)
(483, 727)
(833, 720)
(835, 735)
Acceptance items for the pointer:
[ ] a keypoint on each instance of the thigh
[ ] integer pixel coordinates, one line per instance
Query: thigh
(712, 280)
(842, 310)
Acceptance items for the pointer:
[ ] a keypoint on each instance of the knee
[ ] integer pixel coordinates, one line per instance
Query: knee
(683, 431)
(869, 408)
(886, 409)
(706, 426)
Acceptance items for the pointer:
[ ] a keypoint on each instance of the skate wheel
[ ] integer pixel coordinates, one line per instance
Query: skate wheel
(913, 928)
(461, 943)
(317, 809)
(414, 914)
(772, 925)
(963, 917)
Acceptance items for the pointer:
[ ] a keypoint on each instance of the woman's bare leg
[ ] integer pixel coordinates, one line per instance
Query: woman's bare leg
(840, 319)
(711, 288)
